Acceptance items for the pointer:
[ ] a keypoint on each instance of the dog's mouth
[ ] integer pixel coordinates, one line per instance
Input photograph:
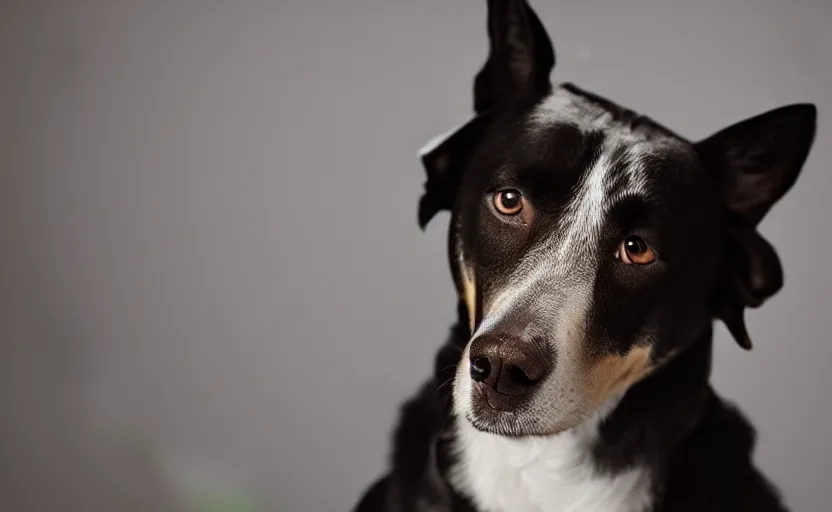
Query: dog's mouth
(519, 416)
(484, 394)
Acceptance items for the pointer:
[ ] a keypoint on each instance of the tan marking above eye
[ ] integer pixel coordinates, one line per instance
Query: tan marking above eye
(633, 250)
(508, 201)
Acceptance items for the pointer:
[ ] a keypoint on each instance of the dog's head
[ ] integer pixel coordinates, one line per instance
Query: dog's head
(589, 244)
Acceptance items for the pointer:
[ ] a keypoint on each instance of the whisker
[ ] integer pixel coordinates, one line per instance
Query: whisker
(444, 383)
(446, 399)
(447, 368)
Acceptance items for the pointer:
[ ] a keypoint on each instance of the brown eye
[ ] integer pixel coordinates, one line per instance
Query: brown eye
(508, 202)
(634, 250)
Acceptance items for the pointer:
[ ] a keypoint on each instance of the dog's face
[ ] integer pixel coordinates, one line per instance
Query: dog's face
(591, 245)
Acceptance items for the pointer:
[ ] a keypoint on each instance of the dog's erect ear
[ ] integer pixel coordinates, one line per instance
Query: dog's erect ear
(755, 163)
(759, 159)
(520, 57)
(520, 60)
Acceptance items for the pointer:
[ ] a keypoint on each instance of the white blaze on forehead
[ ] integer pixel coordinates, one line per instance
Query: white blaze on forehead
(585, 212)
(597, 194)
(588, 206)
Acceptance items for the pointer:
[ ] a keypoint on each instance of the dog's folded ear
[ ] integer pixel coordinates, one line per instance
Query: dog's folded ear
(751, 273)
(520, 60)
(755, 162)
(444, 160)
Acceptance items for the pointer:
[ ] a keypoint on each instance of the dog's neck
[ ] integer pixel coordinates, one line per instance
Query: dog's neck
(658, 412)
(620, 450)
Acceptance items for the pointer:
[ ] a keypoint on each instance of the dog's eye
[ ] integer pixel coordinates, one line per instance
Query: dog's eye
(508, 202)
(635, 251)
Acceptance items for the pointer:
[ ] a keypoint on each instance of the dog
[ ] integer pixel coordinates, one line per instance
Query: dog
(592, 250)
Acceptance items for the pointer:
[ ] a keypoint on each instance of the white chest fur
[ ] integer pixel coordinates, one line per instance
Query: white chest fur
(546, 474)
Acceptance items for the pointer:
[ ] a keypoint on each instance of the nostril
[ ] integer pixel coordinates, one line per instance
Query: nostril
(519, 377)
(480, 369)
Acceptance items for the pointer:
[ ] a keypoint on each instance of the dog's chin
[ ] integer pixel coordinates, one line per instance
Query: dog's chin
(513, 423)
(501, 424)
(524, 420)
(491, 412)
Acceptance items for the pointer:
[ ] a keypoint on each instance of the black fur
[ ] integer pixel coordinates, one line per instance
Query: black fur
(697, 204)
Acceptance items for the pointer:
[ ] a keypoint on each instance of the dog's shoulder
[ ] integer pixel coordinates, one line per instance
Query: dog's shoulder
(713, 468)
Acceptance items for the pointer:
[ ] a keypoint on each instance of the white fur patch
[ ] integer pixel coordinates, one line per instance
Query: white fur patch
(543, 474)
(558, 105)
(587, 209)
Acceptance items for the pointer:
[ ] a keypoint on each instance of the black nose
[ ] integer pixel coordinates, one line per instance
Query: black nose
(508, 364)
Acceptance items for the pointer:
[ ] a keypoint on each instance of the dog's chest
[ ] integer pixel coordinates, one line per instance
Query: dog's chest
(542, 475)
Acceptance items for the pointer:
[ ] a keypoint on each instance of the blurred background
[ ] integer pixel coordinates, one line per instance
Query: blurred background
(213, 291)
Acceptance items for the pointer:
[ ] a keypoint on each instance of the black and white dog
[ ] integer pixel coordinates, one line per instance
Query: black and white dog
(592, 249)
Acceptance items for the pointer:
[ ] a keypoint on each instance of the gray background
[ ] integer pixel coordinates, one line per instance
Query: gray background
(210, 259)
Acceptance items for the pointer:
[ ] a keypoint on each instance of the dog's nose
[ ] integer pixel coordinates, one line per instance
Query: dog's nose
(508, 364)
